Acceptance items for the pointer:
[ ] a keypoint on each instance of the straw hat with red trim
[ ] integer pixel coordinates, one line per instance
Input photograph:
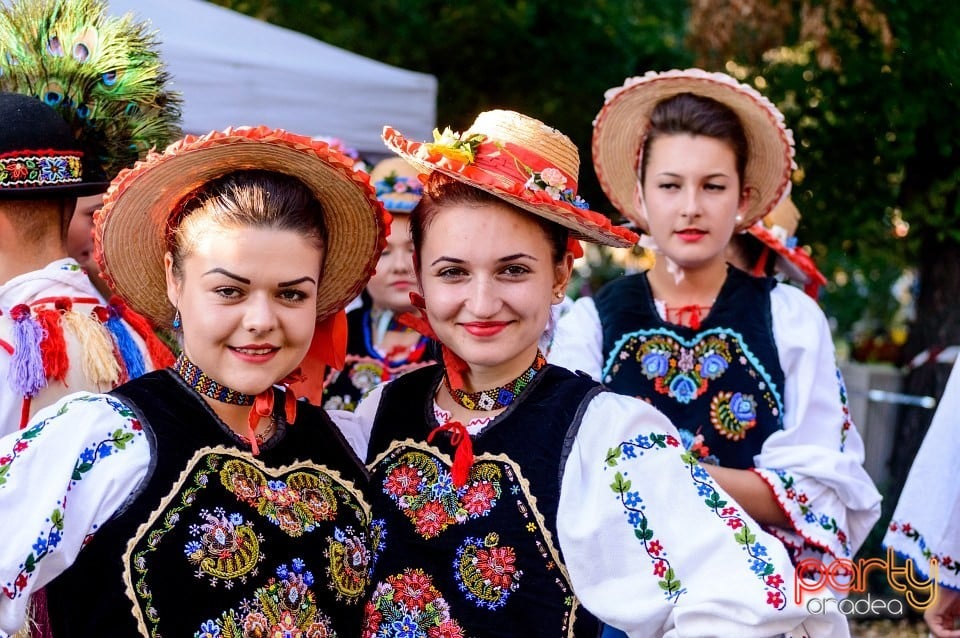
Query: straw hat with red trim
(133, 225)
(397, 184)
(522, 161)
(777, 231)
(622, 125)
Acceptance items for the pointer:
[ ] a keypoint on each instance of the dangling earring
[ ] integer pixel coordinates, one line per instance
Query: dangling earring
(176, 320)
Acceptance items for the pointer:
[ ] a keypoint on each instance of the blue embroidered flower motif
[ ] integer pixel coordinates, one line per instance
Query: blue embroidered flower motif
(759, 566)
(704, 489)
(404, 627)
(209, 629)
(655, 365)
(825, 520)
(633, 518)
(632, 499)
(810, 517)
(683, 389)
(712, 365)
(443, 486)
(628, 451)
(192, 547)
(759, 550)
(643, 441)
(236, 518)
(699, 472)
(743, 407)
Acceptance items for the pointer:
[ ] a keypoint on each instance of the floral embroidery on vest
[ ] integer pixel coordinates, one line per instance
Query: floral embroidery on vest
(295, 505)
(424, 490)
(733, 413)
(352, 558)
(408, 604)
(285, 606)
(228, 547)
(49, 539)
(756, 552)
(486, 572)
(677, 370)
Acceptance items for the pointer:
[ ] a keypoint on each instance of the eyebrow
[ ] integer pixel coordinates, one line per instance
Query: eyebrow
(678, 176)
(244, 280)
(513, 257)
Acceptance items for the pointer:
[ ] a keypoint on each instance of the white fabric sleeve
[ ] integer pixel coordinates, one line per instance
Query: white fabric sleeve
(363, 418)
(926, 523)
(655, 547)
(578, 340)
(61, 478)
(814, 465)
(354, 429)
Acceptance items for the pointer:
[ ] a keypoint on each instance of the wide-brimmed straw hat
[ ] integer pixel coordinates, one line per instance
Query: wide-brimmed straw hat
(621, 126)
(133, 226)
(397, 185)
(777, 231)
(522, 161)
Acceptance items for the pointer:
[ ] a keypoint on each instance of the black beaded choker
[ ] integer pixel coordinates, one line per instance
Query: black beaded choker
(499, 397)
(199, 381)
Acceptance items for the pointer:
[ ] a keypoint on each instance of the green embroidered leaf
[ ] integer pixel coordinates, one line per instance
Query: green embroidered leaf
(620, 485)
(30, 564)
(714, 500)
(613, 456)
(643, 534)
(57, 519)
(744, 537)
(121, 438)
(80, 470)
(768, 569)
(3, 474)
(689, 458)
(31, 433)
(659, 440)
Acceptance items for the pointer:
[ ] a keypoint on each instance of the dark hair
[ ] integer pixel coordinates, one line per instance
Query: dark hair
(696, 115)
(442, 191)
(750, 251)
(256, 199)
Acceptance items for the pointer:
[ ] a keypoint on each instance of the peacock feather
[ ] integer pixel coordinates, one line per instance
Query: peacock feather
(102, 73)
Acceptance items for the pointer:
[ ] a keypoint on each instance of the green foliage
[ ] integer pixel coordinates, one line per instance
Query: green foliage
(877, 137)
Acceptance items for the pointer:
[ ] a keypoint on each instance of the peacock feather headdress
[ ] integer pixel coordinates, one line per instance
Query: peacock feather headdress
(101, 73)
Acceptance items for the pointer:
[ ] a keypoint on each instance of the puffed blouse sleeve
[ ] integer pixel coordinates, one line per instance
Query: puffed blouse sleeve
(61, 478)
(656, 548)
(926, 523)
(578, 340)
(814, 465)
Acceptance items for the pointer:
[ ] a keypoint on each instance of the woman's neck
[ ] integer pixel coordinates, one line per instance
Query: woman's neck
(678, 286)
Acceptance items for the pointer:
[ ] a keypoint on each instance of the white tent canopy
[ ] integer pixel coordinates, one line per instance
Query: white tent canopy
(235, 70)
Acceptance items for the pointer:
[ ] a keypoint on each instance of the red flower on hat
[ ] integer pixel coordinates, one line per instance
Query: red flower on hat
(18, 170)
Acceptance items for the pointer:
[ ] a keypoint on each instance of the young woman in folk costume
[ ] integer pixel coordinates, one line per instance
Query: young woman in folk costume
(746, 368)
(925, 524)
(379, 347)
(82, 95)
(201, 499)
(518, 498)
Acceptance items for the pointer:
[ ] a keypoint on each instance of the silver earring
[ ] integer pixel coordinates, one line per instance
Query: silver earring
(176, 320)
(738, 218)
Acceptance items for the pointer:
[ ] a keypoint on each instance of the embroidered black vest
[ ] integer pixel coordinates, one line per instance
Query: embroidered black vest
(482, 559)
(220, 542)
(723, 381)
(364, 369)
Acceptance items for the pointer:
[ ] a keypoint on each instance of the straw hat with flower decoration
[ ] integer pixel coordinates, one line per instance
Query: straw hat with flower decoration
(622, 125)
(777, 232)
(397, 184)
(522, 161)
(142, 203)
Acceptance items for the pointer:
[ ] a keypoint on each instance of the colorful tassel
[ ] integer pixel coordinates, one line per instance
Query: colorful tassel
(99, 363)
(129, 350)
(160, 354)
(26, 367)
(56, 361)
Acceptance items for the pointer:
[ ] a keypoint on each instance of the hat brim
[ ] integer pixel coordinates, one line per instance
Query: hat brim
(582, 223)
(131, 228)
(77, 189)
(622, 124)
(794, 263)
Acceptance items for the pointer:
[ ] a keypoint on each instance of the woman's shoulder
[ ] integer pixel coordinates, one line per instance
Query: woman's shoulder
(787, 301)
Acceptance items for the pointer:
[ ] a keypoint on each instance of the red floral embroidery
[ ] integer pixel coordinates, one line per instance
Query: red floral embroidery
(403, 481)
(775, 580)
(479, 498)
(655, 548)
(497, 565)
(431, 519)
(734, 523)
(659, 569)
(413, 589)
(448, 629)
(774, 598)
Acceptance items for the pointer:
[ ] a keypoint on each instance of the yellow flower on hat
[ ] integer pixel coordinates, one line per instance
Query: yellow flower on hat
(451, 146)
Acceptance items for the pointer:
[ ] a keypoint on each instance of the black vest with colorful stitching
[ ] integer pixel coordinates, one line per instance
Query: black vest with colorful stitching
(218, 542)
(481, 560)
(722, 381)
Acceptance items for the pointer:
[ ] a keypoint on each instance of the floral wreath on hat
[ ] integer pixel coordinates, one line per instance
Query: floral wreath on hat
(520, 160)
